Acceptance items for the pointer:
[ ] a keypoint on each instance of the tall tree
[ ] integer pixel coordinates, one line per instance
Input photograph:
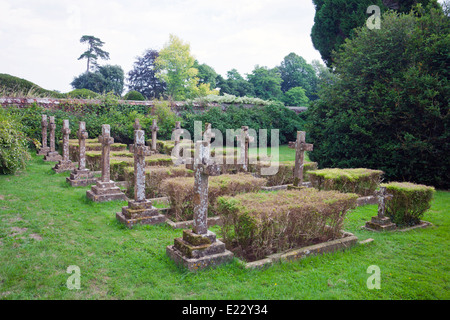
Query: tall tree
(266, 82)
(388, 108)
(93, 52)
(296, 72)
(107, 78)
(335, 19)
(176, 68)
(206, 74)
(143, 77)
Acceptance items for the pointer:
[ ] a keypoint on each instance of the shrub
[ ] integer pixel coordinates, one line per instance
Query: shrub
(181, 191)
(259, 224)
(83, 94)
(13, 144)
(16, 87)
(134, 95)
(388, 107)
(409, 202)
(361, 181)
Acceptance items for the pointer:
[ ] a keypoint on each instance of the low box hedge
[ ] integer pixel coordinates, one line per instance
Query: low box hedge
(285, 173)
(259, 224)
(409, 202)
(181, 192)
(361, 181)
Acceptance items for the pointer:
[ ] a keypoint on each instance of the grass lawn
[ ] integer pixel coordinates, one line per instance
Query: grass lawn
(47, 226)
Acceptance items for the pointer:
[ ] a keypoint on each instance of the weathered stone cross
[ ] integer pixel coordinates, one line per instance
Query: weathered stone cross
(178, 132)
(137, 125)
(203, 168)
(82, 135)
(44, 148)
(155, 130)
(106, 140)
(300, 147)
(246, 139)
(52, 133)
(140, 151)
(208, 134)
(66, 133)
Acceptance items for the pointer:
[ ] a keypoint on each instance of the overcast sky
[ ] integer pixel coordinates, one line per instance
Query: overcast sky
(40, 39)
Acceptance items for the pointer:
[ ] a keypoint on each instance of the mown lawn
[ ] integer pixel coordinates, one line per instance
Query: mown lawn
(47, 226)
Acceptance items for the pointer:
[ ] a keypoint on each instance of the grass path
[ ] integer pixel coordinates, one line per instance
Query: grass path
(47, 226)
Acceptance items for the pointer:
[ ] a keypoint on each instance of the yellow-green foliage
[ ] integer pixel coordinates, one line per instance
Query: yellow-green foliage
(285, 174)
(256, 225)
(361, 181)
(409, 202)
(181, 191)
(154, 176)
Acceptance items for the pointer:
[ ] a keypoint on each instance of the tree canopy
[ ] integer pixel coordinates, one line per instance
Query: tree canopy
(93, 52)
(142, 78)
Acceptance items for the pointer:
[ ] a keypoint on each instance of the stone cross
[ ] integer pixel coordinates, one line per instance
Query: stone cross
(208, 134)
(203, 168)
(246, 139)
(300, 147)
(106, 140)
(137, 125)
(82, 135)
(382, 196)
(154, 133)
(52, 133)
(178, 132)
(140, 151)
(44, 131)
(66, 133)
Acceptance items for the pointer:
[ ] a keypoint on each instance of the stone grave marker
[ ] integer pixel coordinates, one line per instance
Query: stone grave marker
(140, 210)
(65, 164)
(105, 189)
(52, 155)
(199, 247)
(245, 139)
(81, 176)
(381, 222)
(44, 148)
(300, 147)
(155, 130)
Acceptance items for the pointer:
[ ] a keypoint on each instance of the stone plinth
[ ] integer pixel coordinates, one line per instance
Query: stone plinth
(53, 156)
(105, 191)
(142, 212)
(63, 166)
(81, 178)
(43, 151)
(380, 224)
(198, 251)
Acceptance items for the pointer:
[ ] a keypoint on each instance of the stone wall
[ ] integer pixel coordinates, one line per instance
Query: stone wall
(54, 104)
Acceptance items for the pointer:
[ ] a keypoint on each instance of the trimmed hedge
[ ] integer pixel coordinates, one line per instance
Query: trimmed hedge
(409, 202)
(285, 174)
(259, 224)
(181, 192)
(361, 181)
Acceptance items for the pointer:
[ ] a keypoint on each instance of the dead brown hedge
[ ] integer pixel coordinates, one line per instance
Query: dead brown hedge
(181, 191)
(260, 224)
